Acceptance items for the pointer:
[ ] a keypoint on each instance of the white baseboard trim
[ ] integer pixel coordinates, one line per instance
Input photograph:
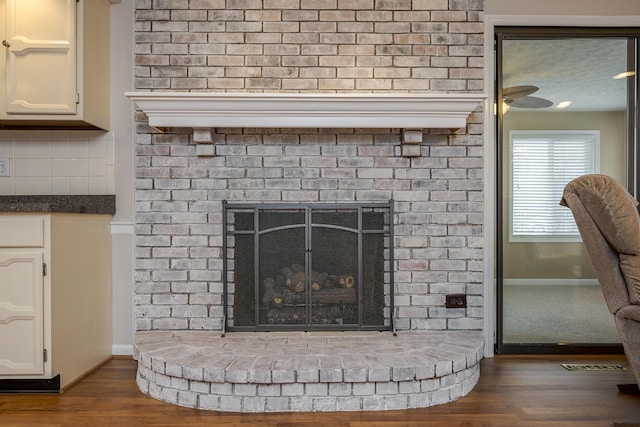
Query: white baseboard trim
(122, 228)
(550, 282)
(122, 349)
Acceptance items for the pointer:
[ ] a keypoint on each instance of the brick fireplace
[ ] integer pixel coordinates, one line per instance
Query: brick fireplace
(308, 102)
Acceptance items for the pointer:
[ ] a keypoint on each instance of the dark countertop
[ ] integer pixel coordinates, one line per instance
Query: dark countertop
(85, 204)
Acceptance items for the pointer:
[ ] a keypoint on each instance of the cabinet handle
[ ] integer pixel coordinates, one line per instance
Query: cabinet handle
(5, 43)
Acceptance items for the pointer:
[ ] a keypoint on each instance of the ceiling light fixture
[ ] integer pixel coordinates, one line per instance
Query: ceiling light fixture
(623, 75)
(563, 104)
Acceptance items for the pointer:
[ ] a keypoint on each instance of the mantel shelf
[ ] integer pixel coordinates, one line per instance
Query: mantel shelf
(305, 110)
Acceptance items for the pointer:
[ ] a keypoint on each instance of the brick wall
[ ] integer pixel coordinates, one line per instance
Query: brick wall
(309, 46)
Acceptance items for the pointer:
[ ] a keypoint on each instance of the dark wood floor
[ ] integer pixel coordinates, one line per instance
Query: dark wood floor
(513, 391)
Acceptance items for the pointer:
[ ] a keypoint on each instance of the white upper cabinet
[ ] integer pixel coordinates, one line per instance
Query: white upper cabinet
(56, 64)
(41, 53)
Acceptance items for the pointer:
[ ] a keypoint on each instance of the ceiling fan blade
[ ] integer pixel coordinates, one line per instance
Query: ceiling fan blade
(518, 91)
(529, 102)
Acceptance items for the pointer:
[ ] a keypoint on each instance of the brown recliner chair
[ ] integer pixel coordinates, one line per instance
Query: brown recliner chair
(609, 223)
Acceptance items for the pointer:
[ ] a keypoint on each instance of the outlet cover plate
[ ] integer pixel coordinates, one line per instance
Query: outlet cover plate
(456, 301)
(4, 166)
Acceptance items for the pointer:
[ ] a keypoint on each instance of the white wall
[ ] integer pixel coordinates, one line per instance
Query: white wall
(122, 126)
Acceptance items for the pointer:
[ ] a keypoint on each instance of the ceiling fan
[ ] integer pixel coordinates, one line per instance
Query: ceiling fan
(518, 97)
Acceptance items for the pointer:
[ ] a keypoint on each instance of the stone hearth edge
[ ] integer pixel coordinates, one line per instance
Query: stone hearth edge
(308, 371)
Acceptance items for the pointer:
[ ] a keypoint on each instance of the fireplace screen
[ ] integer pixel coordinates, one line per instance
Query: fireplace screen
(308, 267)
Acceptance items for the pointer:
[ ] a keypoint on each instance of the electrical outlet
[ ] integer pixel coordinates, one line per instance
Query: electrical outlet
(4, 166)
(456, 301)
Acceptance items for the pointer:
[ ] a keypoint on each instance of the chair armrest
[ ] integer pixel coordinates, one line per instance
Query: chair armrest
(631, 312)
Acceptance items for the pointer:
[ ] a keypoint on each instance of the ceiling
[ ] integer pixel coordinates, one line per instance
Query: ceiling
(576, 70)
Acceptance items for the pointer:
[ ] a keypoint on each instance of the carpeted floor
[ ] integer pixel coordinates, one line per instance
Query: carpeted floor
(557, 314)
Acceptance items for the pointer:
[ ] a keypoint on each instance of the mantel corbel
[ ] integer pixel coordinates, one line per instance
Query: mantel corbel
(411, 140)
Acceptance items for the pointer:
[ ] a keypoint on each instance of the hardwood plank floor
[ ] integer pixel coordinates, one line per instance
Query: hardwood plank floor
(512, 391)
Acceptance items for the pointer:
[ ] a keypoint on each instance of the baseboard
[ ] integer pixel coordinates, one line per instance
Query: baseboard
(550, 282)
(121, 357)
(85, 374)
(122, 349)
(122, 228)
(35, 385)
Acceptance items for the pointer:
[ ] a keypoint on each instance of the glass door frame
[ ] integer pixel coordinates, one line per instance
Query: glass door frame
(502, 33)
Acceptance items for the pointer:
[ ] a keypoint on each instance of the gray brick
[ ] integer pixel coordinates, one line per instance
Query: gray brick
(325, 404)
(339, 389)
(254, 404)
(395, 402)
(209, 402)
(390, 387)
(269, 390)
(296, 389)
(302, 403)
(230, 403)
(373, 403)
(316, 389)
(199, 387)
(278, 404)
(349, 404)
(364, 389)
(245, 390)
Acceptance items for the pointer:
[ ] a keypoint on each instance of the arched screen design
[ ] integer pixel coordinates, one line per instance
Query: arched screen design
(308, 267)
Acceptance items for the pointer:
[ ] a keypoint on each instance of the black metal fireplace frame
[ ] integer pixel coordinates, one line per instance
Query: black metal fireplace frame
(308, 208)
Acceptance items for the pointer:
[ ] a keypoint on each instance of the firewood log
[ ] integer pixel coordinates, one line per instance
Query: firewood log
(300, 278)
(292, 280)
(286, 315)
(296, 315)
(318, 280)
(335, 296)
(326, 315)
(297, 268)
(291, 297)
(299, 272)
(346, 281)
(271, 295)
(332, 281)
(273, 315)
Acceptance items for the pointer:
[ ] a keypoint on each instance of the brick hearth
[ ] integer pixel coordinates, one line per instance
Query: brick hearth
(298, 371)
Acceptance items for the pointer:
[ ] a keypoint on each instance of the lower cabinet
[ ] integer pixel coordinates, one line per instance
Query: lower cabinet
(55, 296)
(21, 313)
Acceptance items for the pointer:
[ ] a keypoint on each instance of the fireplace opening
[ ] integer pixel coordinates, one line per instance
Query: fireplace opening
(308, 266)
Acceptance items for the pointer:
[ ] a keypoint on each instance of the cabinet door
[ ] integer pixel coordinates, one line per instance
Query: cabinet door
(21, 313)
(41, 56)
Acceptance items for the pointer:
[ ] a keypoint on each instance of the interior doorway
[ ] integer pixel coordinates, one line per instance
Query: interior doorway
(567, 107)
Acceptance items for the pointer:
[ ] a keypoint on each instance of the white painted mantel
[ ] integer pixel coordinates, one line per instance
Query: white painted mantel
(307, 110)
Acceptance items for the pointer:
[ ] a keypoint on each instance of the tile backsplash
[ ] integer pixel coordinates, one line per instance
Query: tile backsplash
(58, 162)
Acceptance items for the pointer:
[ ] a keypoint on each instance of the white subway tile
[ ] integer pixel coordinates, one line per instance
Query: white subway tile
(24, 185)
(42, 185)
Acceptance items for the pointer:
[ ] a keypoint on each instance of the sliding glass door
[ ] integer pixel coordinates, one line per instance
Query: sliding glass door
(567, 109)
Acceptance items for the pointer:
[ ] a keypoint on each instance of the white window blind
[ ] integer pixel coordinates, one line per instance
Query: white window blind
(542, 163)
